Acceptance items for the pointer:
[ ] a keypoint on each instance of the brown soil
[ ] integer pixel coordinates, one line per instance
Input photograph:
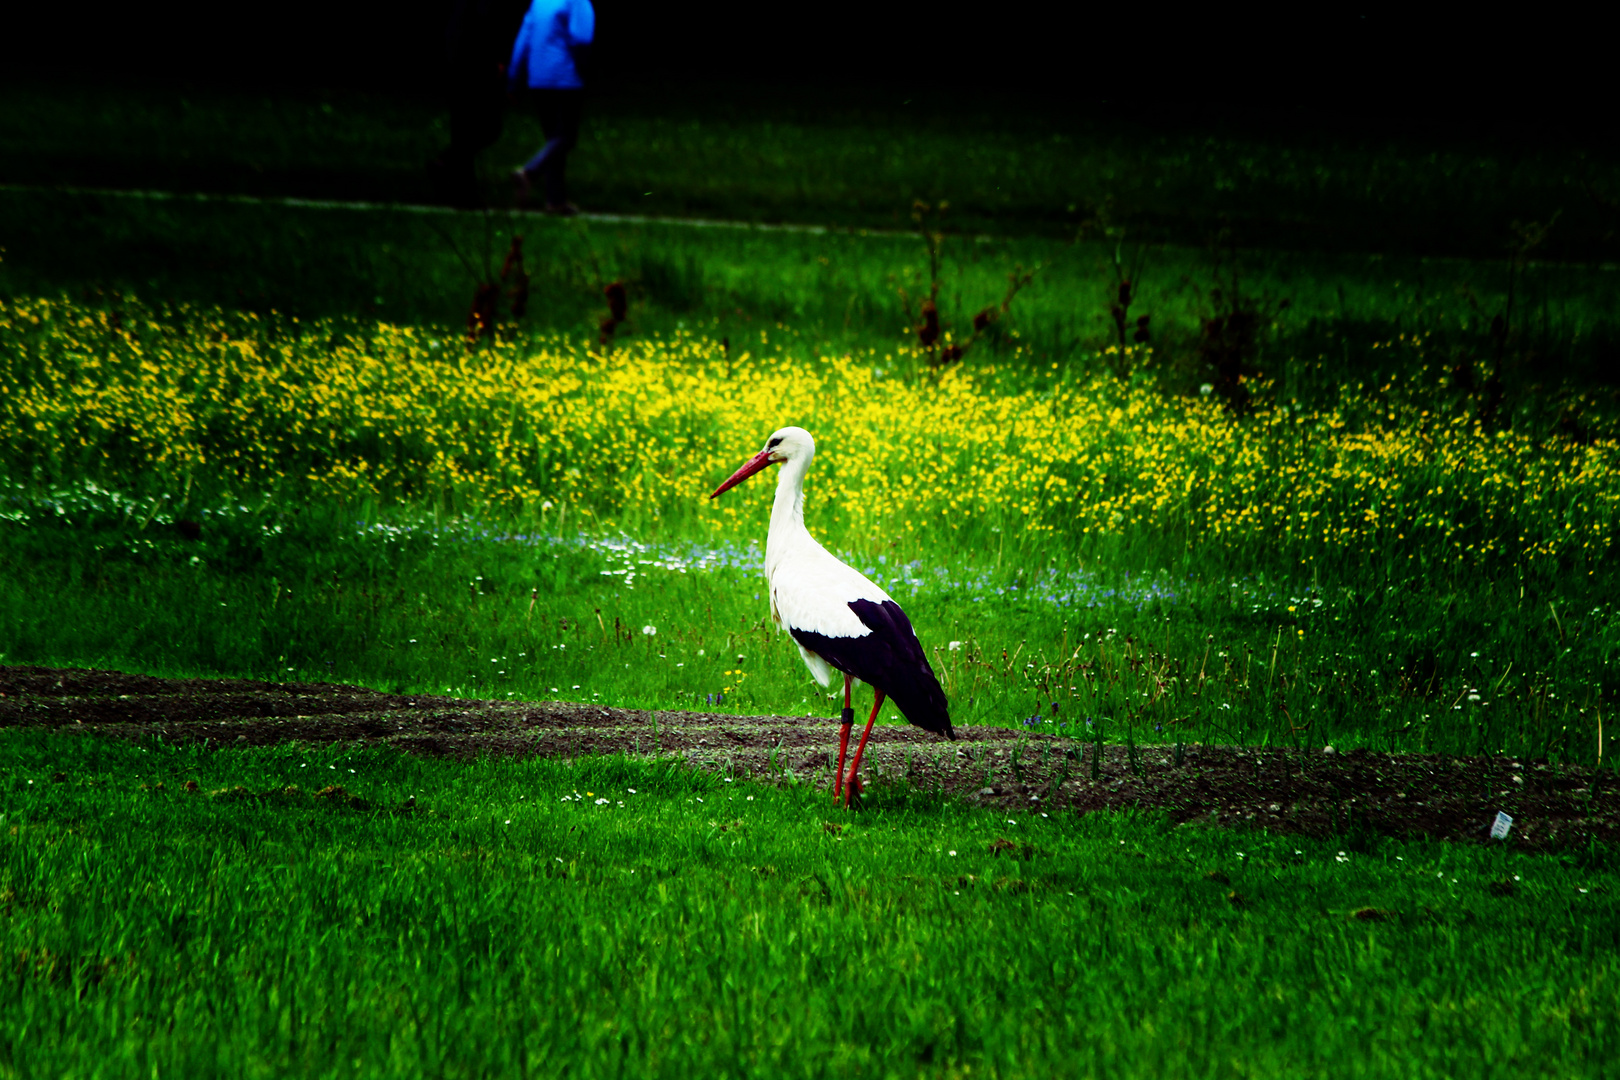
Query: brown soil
(1315, 792)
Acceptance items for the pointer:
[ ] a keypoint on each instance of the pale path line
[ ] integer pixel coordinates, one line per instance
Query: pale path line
(652, 219)
(423, 208)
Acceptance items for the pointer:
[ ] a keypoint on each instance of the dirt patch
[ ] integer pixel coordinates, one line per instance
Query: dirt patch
(1311, 792)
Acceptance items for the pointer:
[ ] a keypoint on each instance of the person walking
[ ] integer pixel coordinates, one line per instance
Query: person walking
(546, 59)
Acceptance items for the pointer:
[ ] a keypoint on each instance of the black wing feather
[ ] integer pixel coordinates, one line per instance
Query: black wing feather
(891, 659)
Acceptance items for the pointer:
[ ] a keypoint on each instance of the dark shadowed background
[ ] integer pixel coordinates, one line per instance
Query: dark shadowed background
(1473, 69)
(1327, 139)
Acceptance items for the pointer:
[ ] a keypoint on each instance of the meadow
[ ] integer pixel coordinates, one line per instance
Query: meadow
(1326, 317)
(398, 507)
(1366, 230)
(330, 912)
(1010, 163)
(250, 437)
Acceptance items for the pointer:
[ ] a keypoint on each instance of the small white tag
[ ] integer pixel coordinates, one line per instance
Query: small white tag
(1500, 827)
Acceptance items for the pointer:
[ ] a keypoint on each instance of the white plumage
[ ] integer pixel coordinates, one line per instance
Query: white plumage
(840, 619)
(810, 587)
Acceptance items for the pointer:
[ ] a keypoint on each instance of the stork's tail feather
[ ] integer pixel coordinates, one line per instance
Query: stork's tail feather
(923, 704)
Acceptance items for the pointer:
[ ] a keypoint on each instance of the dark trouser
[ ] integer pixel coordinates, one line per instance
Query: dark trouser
(559, 112)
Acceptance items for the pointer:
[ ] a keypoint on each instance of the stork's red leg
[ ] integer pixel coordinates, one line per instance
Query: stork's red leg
(848, 719)
(851, 787)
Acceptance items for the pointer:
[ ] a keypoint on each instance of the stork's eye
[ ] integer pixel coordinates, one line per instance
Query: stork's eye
(772, 444)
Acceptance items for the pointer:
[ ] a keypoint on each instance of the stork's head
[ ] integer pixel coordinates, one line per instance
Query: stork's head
(785, 444)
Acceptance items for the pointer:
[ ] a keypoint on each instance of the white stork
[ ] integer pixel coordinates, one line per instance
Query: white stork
(840, 620)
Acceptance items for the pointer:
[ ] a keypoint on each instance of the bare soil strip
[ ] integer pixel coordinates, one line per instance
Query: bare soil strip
(1310, 792)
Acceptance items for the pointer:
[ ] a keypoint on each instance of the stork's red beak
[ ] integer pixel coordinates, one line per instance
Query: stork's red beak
(750, 467)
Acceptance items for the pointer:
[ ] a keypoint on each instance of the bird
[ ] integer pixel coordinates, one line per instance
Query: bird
(841, 620)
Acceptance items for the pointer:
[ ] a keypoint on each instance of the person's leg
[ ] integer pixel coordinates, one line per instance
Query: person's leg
(559, 116)
(540, 103)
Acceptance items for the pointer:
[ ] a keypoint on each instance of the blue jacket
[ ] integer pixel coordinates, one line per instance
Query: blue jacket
(543, 54)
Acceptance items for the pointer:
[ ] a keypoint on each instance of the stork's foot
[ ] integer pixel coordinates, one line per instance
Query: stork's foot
(853, 788)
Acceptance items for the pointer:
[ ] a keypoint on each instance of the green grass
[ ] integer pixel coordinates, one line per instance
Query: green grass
(700, 927)
(255, 927)
(818, 293)
(1368, 236)
(1149, 642)
(1388, 656)
(1009, 164)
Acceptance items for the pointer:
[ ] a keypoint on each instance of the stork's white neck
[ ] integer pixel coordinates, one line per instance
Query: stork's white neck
(787, 512)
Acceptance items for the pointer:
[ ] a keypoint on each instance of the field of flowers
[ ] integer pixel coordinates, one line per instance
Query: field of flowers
(353, 495)
(186, 399)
